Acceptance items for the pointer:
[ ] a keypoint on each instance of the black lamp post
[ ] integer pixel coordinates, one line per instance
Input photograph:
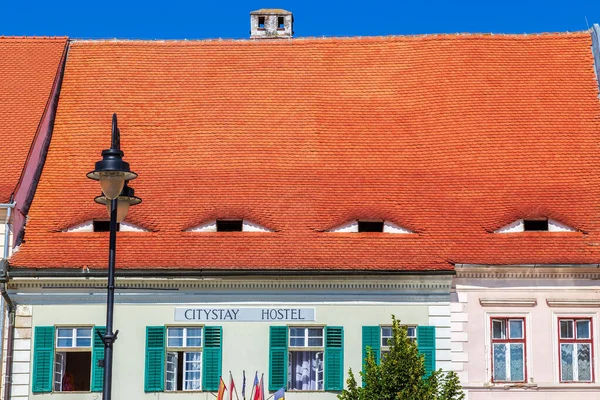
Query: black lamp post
(113, 173)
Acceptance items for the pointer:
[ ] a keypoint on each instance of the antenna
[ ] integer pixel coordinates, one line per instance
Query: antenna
(588, 25)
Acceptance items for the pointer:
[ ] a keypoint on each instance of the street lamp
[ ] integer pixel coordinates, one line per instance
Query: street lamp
(113, 174)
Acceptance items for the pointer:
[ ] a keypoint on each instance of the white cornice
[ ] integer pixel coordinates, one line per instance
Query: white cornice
(559, 272)
(520, 302)
(573, 302)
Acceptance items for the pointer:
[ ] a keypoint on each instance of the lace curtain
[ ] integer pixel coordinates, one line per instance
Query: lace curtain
(305, 370)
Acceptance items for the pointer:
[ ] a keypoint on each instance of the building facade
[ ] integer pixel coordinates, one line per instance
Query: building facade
(296, 195)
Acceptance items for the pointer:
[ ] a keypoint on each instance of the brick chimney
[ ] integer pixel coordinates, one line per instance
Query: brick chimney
(271, 23)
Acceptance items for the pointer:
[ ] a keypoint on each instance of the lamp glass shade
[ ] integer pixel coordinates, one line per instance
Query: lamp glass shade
(122, 208)
(112, 183)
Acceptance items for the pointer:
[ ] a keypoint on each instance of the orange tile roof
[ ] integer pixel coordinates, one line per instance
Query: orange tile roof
(449, 136)
(28, 66)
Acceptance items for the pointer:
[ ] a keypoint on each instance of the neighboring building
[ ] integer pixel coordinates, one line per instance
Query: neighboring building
(30, 72)
(296, 194)
(29, 80)
(525, 323)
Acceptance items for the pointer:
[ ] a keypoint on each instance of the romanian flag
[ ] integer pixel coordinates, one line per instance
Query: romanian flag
(279, 395)
(222, 389)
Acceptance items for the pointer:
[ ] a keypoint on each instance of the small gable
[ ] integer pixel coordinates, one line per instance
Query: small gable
(535, 225)
(228, 225)
(357, 226)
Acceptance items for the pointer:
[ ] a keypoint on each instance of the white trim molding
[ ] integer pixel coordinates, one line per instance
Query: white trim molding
(573, 302)
(519, 302)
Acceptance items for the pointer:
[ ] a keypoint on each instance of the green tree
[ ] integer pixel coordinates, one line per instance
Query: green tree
(401, 375)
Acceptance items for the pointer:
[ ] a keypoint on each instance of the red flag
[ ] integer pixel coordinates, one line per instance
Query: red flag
(231, 386)
(222, 389)
(260, 390)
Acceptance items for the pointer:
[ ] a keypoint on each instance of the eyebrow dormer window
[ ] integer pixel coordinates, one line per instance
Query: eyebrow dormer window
(103, 226)
(229, 225)
(535, 225)
(261, 22)
(370, 226)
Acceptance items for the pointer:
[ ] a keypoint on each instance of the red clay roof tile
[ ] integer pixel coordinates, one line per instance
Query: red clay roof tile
(28, 66)
(450, 136)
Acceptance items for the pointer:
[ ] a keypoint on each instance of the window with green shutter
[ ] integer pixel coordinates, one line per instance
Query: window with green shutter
(278, 339)
(154, 379)
(426, 345)
(63, 359)
(43, 359)
(212, 358)
(334, 358)
(97, 357)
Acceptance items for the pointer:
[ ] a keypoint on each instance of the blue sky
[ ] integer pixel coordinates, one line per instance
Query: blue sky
(201, 19)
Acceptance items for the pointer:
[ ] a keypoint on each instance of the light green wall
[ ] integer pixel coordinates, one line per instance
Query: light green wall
(245, 344)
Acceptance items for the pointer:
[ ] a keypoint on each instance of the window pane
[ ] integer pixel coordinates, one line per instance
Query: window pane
(500, 362)
(65, 342)
(175, 332)
(566, 362)
(84, 332)
(172, 371)
(175, 342)
(297, 331)
(517, 370)
(516, 329)
(498, 329)
(65, 332)
(305, 370)
(583, 362)
(411, 332)
(566, 329)
(194, 332)
(297, 342)
(193, 342)
(315, 332)
(84, 342)
(583, 329)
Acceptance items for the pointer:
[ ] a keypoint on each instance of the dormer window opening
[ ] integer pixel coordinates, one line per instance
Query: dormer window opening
(103, 226)
(535, 225)
(370, 226)
(229, 225)
(261, 22)
(280, 23)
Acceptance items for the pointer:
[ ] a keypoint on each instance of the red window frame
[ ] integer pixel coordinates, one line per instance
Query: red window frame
(574, 340)
(508, 340)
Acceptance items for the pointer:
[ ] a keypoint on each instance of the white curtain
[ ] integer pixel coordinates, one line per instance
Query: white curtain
(306, 370)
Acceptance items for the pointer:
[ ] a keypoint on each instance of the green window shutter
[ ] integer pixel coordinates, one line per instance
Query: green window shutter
(426, 345)
(334, 358)
(154, 380)
(43, 359)
(212, 358)
(371, 337)
(278, 340)
(97, 355)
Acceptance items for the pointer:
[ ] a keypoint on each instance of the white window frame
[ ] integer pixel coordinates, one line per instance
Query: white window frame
(185, 349)
(507, 341)
(509, 313)
(555, 345)
(60, 353)
(318, 349)
(386, 348)
(74, 336)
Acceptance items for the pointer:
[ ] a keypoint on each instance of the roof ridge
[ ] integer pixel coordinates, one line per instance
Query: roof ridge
(436, 36)
(33, 38)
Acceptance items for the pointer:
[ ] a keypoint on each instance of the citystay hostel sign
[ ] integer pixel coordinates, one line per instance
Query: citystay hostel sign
(259, 314)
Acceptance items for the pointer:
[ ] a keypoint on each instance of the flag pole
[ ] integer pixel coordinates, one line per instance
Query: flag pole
(235, 387)
(253, 386)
